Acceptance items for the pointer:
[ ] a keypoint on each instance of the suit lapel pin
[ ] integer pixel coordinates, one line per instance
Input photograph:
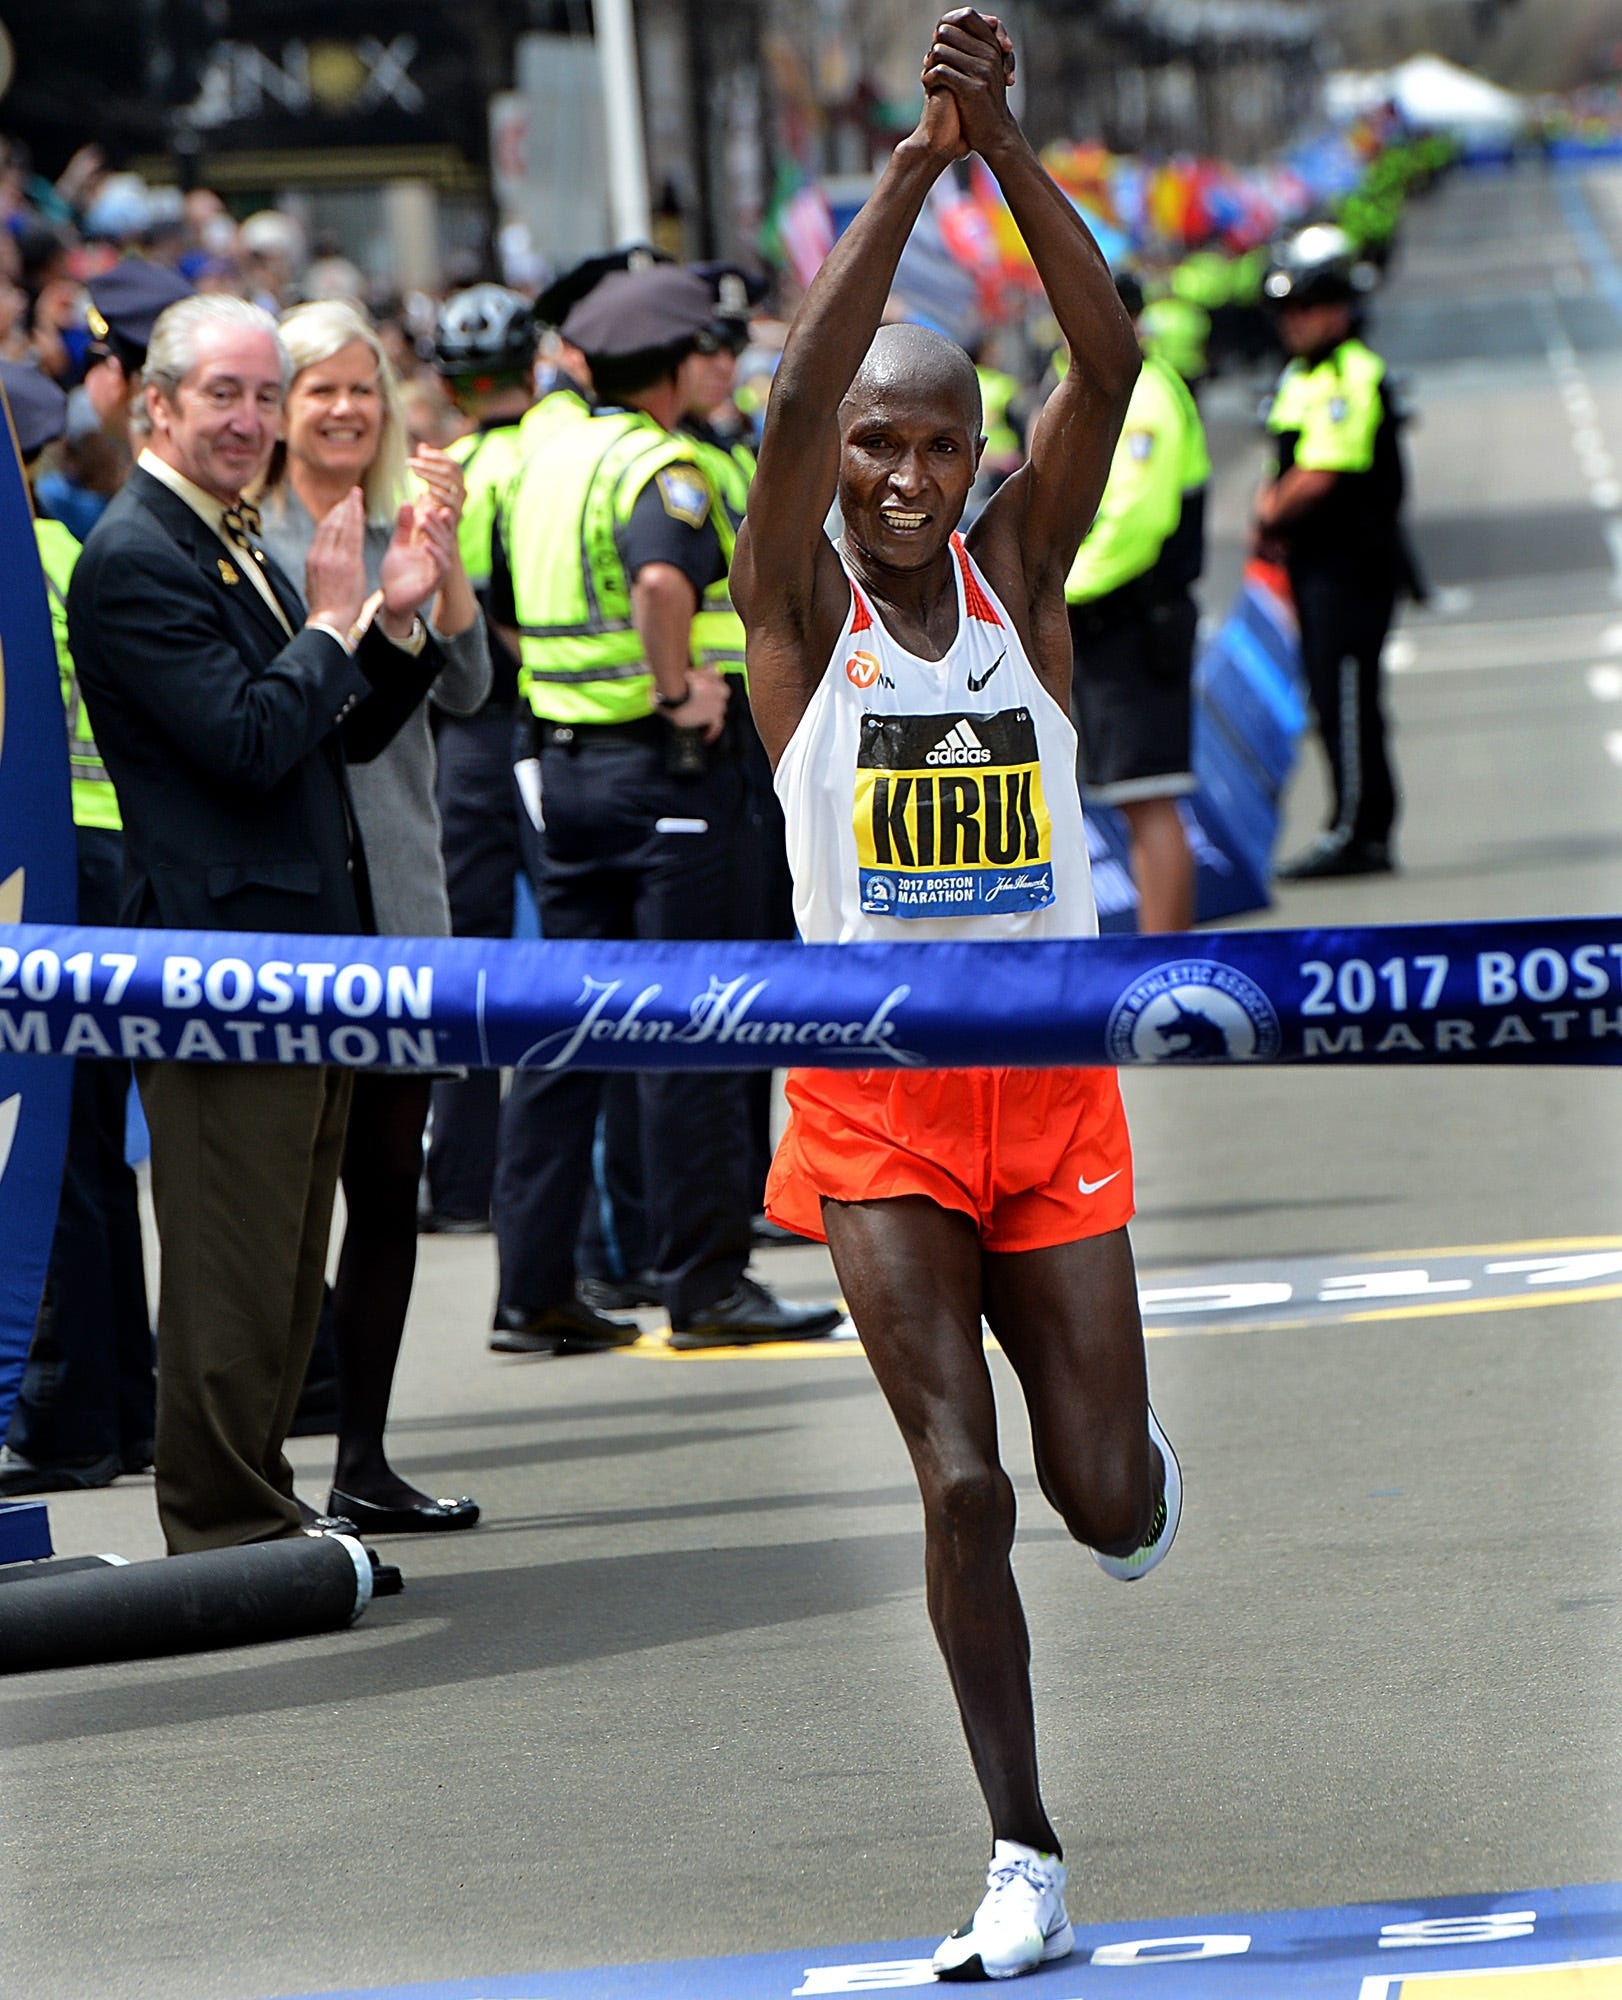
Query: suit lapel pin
(227, 573)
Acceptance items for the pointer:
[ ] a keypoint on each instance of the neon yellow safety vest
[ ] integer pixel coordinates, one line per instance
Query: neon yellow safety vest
(1334, 406)
(1143, 496)
(718, 635)
(489, 459)
(558, 406)
(95, 803)
(581, 657)
(1196, 450)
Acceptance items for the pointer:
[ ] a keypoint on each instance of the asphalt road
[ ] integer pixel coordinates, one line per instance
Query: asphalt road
(677, 1697)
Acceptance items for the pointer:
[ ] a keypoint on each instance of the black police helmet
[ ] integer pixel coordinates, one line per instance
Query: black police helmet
(1318, 266)
(485, 330)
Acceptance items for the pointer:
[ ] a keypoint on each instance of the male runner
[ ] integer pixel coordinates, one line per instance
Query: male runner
(912, 691)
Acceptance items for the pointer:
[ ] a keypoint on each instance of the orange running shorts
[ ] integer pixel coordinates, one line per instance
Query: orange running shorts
(1034, 1157)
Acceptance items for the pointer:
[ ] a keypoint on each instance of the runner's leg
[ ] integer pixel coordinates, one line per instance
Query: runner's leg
(1067, 1318)
(911, 1275)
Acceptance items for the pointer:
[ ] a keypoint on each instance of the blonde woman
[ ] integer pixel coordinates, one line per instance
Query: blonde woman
(344, 428)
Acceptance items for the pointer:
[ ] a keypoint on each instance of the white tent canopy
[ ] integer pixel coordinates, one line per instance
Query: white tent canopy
(1432, 93)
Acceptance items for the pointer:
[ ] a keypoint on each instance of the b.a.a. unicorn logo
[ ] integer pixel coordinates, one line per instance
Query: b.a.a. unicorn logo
(1193, 1010)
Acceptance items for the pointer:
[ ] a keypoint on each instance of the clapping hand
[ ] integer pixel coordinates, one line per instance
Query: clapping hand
(335, 568)
(442, 476)
(417, 561)
(971, 64)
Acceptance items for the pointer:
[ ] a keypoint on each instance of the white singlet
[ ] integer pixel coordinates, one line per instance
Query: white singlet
(935, 798)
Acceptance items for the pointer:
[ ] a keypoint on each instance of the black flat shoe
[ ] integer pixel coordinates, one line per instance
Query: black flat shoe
(750, 1315)
(422, 1518)
(571, 1328)
(19, 1475)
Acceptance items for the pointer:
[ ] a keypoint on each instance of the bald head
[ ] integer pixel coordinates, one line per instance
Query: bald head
(911, 366)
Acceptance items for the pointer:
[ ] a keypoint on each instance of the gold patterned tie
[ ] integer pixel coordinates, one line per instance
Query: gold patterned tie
(241, 526)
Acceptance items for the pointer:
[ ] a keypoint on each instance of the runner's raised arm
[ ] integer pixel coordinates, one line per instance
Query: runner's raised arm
(786, 580)
(1035, 521)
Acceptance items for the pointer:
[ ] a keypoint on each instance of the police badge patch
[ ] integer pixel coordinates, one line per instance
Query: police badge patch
(684, 494)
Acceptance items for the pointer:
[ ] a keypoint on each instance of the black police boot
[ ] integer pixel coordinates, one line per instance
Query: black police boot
(748, 1315)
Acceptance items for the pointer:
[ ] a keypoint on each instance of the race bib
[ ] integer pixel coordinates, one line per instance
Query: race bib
(951, 820)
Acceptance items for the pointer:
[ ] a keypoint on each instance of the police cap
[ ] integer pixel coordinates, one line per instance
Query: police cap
(566, 290)
(126, 301)
(735, 289)
(39, 409)
(640, 312)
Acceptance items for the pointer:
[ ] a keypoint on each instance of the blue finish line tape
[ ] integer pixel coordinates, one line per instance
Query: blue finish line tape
(1539, 991)
(1543, 1944)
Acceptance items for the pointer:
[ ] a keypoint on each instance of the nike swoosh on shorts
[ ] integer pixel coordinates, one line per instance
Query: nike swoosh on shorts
(1092, 1187)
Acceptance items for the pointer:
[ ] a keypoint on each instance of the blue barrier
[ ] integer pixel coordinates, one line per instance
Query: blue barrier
(1535, 991)
(37, 882)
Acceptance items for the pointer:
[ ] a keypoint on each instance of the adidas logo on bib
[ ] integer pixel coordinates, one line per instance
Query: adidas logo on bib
(959, 745)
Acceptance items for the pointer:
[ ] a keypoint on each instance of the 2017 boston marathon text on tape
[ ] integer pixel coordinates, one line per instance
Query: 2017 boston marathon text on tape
(1546, 992)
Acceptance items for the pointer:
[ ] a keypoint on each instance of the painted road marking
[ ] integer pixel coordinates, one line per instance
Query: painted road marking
(1282, 1294)
(1593, 1979)
(1520, 1947)
(1532, 646)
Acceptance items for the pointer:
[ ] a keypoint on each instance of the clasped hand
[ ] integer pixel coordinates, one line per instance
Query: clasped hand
(966, 78)
(418, 558)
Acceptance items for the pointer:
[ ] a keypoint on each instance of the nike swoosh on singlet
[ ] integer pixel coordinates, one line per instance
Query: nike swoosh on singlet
(976, 684)
(1092, 1187)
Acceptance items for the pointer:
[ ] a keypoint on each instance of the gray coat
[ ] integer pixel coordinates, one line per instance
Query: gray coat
(394, 794)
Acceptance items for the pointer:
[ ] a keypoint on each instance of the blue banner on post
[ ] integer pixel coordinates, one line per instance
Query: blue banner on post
(1538, 991)
(37, 885)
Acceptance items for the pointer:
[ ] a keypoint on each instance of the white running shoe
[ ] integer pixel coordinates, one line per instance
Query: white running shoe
(1021, 1921)
(1128, 1568)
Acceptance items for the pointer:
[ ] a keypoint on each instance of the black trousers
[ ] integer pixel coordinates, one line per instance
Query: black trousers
(88, 1387)
(1344, 623)
(629, 851)
(614, 1233)
(479, 814)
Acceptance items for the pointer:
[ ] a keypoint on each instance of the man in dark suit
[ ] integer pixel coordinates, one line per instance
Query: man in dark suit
(224, 710)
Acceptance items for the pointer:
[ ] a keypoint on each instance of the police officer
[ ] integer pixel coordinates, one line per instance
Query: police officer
(613, 1254)
(611, 543)
(1132, 625)
(723, 442)
(484, 350)
(86, 1409)
(1332, 513)
(121, 308)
